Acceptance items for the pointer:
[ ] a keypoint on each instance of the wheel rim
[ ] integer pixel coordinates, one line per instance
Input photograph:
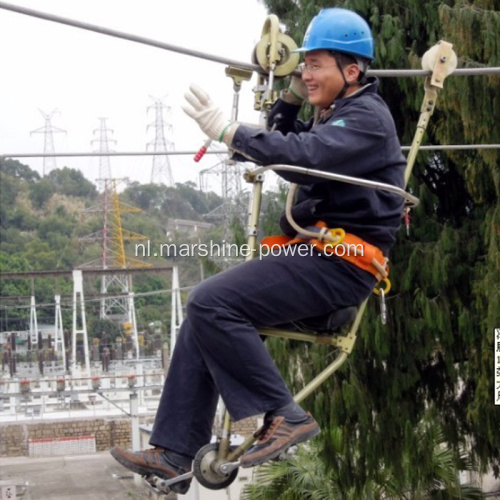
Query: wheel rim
(204, 473)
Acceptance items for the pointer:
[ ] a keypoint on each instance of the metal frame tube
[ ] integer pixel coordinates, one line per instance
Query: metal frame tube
(379, 186)
(254, 213)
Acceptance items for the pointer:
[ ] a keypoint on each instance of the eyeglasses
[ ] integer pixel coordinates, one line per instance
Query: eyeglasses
(312, 68)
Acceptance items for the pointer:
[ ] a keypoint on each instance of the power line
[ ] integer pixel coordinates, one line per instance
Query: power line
(60, 273)
(88, 300)
(450, 147)
(223, 60)
(114, 153)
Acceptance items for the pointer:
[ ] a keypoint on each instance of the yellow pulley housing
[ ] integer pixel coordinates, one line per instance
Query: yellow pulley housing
(275, 50)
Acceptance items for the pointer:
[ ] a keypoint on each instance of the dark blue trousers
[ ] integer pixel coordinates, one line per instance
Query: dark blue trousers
(220, 352)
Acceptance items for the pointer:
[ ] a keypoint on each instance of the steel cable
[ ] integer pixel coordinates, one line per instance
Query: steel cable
(219, 59)
(432, 147)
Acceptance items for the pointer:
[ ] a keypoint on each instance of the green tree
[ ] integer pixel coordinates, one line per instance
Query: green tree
(306, 476)
(40, 193)
(145, 196)
(273, 203)
(71, 182)
(18, 170)
(104, 328)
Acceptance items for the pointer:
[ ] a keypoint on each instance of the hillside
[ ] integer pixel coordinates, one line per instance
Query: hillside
(55, 223)
(43, 222)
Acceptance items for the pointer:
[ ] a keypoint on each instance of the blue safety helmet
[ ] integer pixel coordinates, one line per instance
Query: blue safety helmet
(339, 30)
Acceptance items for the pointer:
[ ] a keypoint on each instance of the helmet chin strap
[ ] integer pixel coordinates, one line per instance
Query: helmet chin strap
(346, 85)
(343, 90)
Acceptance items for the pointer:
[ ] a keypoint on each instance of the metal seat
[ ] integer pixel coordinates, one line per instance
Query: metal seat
(329, 323)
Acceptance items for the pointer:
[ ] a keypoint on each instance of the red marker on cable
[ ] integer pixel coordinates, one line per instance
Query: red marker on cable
(199, 155)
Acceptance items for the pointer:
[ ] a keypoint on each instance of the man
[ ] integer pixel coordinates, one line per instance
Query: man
(219, 350)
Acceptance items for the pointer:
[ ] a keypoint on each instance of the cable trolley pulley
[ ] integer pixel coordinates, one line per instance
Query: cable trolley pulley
(275, 54)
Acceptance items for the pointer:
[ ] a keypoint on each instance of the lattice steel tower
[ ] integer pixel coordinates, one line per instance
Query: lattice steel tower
(113, 255)
(161, 171)
(230, 174)
(234, 207)
(49, 162)
(117, 297)
(104, 140)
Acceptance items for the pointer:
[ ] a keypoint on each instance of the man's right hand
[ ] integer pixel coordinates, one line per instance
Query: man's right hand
(297, 90)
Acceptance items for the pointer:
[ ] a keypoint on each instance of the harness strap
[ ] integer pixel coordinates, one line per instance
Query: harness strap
(355, 250)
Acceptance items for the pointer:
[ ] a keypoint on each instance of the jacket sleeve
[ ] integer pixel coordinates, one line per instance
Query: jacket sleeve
(283, 118)
(341, 145)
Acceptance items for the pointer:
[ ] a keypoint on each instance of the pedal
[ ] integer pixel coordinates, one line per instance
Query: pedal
(162, 486)
(156, 484)
(288, 453)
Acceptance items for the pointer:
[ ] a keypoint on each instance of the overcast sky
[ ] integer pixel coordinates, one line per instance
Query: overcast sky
(84, 76)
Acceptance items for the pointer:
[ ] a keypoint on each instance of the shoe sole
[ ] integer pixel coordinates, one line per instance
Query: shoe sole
(304, 437)
(143, 471)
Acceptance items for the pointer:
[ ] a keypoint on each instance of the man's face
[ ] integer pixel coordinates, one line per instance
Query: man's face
(323, 78)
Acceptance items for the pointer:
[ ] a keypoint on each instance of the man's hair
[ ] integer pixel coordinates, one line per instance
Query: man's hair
(344, 60)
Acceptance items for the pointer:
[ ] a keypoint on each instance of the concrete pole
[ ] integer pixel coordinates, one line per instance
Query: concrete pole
(136, 437)
(79, 300)
(141, 380)
(165, 355)
(134, 415)
(132, 319)
(33, 322)
(176, 314)
(59, 333)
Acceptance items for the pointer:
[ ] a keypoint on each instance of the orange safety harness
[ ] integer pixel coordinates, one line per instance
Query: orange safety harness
(355, 250)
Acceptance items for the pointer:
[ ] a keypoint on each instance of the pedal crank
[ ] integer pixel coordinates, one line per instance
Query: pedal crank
(228, 467)
(161, 485)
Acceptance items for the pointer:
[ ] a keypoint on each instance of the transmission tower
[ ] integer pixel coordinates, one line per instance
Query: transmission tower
(234, 206)
(117, 301)
(161, 172)
(104, 140)
(229, 171)
(49, 162)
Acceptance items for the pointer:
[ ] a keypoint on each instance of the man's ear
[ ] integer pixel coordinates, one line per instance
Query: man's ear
(352, 73)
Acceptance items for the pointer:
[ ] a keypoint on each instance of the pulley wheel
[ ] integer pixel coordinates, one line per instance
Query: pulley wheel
(429, 60)
(288, 60)
(203, 472)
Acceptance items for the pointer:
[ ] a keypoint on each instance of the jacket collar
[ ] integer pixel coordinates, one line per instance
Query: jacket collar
(322, 115)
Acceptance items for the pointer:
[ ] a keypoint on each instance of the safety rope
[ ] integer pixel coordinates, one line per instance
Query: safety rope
(382, 73)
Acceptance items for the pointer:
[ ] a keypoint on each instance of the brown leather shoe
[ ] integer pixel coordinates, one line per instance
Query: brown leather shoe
(277, 435)
(152, 461)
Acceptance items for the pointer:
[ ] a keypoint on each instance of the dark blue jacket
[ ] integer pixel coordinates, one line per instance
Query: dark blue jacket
(356, 137)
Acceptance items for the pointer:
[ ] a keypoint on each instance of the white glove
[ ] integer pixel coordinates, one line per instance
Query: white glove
(208, 116)
(297, 90)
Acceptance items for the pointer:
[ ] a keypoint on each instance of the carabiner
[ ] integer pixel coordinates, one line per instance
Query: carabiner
(387, 288)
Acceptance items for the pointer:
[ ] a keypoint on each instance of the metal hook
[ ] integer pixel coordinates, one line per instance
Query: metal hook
(383, 307)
